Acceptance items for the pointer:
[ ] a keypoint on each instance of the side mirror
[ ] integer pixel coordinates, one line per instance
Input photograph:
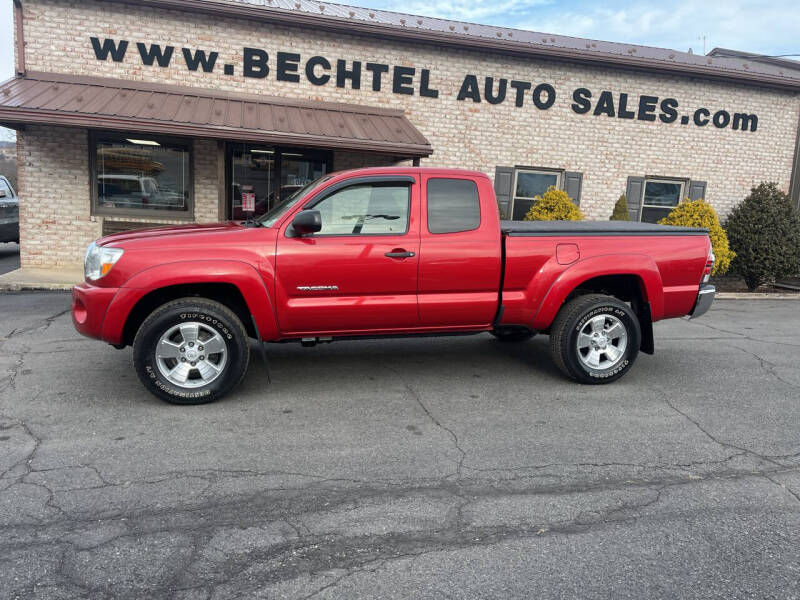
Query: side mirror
(2, 193)
(307, 221)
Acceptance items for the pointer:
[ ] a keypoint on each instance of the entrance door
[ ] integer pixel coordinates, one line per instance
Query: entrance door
(270, 173)
(359, 273)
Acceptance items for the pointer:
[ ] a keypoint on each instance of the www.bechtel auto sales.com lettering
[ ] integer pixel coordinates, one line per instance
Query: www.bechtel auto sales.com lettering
(318, 70)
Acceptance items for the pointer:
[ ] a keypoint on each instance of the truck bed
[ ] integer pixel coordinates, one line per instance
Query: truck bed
(592, 228)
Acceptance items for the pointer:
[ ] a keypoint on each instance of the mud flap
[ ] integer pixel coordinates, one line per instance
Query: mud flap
(263, 347)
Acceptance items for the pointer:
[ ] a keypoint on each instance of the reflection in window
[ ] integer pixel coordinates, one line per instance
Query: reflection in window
(660, 197)
(252, 172)
(529, 184)
(378, 209)
(142, 175)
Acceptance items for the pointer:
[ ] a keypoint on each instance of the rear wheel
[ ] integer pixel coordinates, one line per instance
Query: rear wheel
(595, 339)
(191, 351)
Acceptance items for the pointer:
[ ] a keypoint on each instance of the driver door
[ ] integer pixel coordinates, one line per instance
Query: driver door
(359, 273)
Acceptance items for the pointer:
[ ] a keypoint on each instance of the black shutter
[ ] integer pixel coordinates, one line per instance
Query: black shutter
(573, 183)
(503, 189)
(696, 190)
(634, 192)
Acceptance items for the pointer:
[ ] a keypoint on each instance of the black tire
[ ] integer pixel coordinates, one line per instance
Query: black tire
(211, 315)
(513, 335)
(573, 317)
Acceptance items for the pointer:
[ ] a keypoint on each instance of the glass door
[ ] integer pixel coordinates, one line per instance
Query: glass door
(299, 168)
(270, 173)
(252, 171)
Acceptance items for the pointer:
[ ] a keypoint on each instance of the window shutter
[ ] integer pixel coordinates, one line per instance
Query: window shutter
(503, 184)
(573, 183)
(634, 192)
(696, 190)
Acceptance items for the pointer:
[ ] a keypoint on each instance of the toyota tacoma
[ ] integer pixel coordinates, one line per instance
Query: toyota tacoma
(385, 252)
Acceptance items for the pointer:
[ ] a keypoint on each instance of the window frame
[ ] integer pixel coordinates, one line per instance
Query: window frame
(658, 179)
(114, 136)
(428, 205)
(559, 173)
(312, 204)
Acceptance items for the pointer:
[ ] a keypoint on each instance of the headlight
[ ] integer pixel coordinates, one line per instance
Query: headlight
(99, 261)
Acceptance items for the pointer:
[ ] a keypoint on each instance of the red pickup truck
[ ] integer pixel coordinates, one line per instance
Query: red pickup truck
(378, 253)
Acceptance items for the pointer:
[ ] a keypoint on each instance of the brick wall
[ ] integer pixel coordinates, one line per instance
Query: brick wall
(463, 134)
(53, 175)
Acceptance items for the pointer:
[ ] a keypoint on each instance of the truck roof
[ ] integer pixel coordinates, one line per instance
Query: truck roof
(417, 170)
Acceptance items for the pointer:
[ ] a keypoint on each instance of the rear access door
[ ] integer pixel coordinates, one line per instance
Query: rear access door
(460, 253)
(359, 273)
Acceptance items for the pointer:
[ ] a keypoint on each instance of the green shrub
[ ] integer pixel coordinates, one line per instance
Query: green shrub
(698, 213)
(554, 205)
(764, 231)
(621, 210)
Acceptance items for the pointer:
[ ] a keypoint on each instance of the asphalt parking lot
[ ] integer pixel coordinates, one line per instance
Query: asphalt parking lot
(429, 468)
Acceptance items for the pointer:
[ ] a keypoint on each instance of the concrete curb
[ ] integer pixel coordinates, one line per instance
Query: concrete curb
(35, 287)
(754, 296)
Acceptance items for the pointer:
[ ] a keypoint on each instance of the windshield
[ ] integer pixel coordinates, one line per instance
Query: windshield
(273, 216)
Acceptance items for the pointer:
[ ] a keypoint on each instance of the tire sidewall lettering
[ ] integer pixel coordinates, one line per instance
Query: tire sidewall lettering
(154, 374)
(615, 311)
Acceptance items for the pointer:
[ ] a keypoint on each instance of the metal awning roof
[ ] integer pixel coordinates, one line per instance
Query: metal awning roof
(99, 103)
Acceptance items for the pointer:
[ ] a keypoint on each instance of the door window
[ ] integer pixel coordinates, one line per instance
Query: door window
(5, 189)
(372, 209)
(453, 205)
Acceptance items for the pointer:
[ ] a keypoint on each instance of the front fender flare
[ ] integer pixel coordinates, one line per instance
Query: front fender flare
(240, 274)
(640, 266)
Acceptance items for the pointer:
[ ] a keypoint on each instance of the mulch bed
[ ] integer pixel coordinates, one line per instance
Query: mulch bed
(731, 283)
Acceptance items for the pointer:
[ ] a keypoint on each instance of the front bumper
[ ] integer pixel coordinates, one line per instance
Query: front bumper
(704, 299)
(89, 306)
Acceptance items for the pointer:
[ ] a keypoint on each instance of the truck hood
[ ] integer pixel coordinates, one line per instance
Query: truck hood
(165, 234)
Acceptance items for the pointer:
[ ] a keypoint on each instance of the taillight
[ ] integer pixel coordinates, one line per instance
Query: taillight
(709, 265)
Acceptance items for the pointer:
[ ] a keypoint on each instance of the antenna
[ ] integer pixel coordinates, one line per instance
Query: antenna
(703, 37)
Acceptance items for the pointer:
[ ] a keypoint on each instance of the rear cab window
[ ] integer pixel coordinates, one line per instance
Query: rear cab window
(453, 205)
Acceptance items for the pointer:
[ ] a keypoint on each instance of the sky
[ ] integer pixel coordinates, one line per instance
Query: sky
(764, 26)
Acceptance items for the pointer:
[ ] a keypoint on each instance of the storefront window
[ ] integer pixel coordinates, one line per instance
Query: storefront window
(529, 184)
(660, 197)
(135, 174)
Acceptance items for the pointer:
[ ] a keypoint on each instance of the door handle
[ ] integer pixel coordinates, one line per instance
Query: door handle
(399, 254)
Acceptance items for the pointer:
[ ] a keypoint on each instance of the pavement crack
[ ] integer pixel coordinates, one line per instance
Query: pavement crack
(784, 487)
(767, 366)
(716, 440)
(418, 399)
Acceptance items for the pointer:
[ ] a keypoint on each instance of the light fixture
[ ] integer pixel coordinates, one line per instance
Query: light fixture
(262, 151)
(291, 154)
(143, 142)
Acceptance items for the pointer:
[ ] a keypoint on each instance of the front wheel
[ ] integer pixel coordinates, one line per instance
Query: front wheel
(595, 339)
(191, 351)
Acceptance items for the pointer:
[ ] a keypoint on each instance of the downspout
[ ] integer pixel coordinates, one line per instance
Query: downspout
(20, 38)
(794, 185)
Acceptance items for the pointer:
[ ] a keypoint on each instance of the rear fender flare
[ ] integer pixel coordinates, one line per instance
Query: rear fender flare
(240, 274)
(641, 266)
